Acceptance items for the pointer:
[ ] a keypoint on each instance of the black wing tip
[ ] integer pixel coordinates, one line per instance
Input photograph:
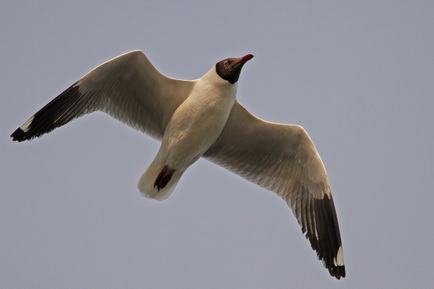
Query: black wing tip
(49, 117)
(19, 135)
(322, 231)
(337, 271)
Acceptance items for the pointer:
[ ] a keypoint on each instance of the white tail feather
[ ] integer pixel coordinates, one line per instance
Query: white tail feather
(147, 181)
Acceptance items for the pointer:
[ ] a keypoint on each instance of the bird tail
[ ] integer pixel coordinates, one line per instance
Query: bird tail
(158, 181)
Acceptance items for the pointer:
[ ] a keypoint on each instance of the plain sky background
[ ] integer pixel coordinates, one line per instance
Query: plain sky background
(357, 75)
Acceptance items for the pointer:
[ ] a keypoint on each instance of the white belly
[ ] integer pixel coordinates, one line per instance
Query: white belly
(195, 126)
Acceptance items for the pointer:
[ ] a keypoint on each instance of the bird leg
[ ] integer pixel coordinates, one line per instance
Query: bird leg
(163, 178)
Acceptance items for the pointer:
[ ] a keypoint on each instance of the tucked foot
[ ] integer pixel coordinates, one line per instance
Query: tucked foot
(163, 178)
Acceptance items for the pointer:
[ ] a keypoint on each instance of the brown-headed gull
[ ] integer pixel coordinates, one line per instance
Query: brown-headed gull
(202, 118)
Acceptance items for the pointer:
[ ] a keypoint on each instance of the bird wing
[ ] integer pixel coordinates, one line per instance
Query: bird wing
(283, 159)
(128, 87)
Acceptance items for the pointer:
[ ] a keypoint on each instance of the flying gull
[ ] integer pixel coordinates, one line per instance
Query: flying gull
(202, 118)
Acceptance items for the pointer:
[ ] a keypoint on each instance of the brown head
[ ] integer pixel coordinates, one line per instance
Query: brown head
(230, 68)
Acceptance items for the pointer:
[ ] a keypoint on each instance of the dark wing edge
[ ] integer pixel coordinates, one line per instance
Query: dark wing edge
(292, 168)
(319, 224)
(68, 105)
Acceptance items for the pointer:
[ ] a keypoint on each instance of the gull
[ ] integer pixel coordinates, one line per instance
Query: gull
(202, 118)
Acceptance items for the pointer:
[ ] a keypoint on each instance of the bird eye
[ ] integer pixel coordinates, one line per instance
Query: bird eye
(226, 63)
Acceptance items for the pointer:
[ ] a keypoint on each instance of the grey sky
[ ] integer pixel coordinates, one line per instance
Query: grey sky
(357, 75)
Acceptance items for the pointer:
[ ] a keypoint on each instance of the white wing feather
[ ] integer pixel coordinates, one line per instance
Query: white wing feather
(283, 159)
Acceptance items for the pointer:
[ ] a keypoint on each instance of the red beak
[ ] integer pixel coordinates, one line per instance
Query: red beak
(246, 58)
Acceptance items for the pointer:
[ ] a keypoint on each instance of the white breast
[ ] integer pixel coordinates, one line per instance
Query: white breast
(198, 121)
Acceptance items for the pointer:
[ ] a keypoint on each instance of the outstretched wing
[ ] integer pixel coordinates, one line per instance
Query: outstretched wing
(128, 87)
(283, 159)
